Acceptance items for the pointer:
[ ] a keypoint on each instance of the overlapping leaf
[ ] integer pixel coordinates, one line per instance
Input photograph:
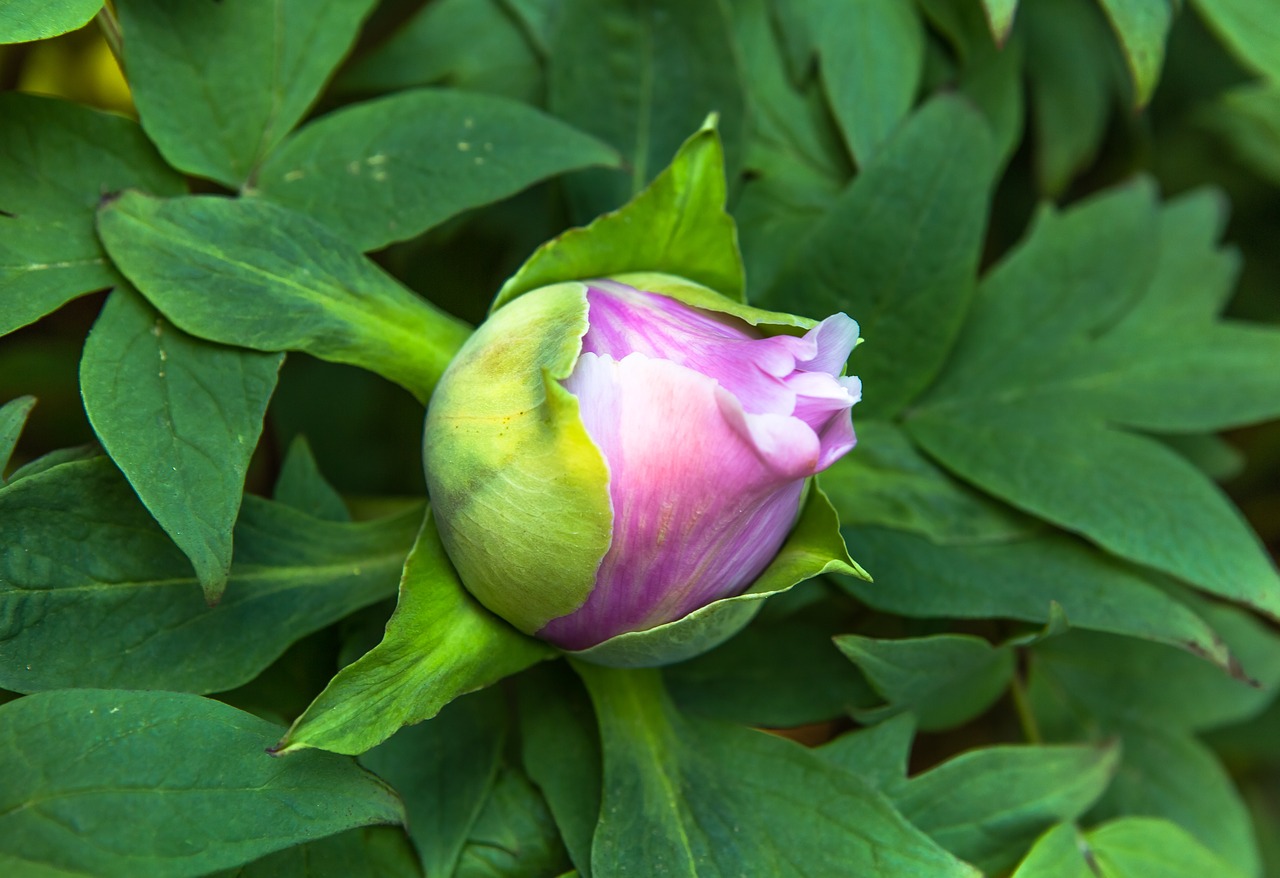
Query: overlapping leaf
(1134, 847)
(1103, 319)
(25, 20)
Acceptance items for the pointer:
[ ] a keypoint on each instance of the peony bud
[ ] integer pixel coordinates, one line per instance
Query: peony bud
(604, 460)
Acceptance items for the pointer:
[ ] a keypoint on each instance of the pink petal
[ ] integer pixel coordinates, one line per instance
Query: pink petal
(703, 492)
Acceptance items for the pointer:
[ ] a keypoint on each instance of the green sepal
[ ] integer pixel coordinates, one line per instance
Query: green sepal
(814, 547)
(678, 224)
(516, 481)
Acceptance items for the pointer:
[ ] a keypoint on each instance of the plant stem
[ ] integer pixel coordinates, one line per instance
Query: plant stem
(1026, 718)
(110, 27)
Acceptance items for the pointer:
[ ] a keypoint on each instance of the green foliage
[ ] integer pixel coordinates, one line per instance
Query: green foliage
(25, 20)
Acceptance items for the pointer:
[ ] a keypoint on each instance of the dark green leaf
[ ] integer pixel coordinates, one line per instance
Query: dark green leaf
(515, 835)
(1250, 29)
(678, 801)
(389, 169)
(444, 770)
(439, 644)
(1020, 579)
(218, 85)
(677, 225)
(58, 160)
(917, 213)
(1134, 847)
(781, 671)
(641, 76)
(1249, 117)
(181, 418)
(13, 417)
(987, 805)
(1103, 319)
(370, 852)
(1070, 84)
(162, 784)
(877, 754)
(301, 485)
(82, 563)
(249, 273)
(23, 21)
(560, 747)
(1143, 27)
(872, 56)
(474, 45)
(944, 680)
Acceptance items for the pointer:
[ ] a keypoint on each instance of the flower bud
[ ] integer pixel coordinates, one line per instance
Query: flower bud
(603, 459)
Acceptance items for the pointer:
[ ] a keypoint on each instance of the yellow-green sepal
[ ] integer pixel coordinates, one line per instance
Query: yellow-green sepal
(520, 490)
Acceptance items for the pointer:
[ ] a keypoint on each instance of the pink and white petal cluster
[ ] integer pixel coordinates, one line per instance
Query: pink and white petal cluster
(709, 431)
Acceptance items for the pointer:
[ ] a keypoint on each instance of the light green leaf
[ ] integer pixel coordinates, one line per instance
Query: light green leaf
(13, 417)
(872, 58)
(877, 754)
(678, 802)
(1133, 847)
(917, 214)
(82, 562)
(181, 418)
(641, 76)
(677, 225)
(1250, 28)
(439, 644)
(444, 770)
(1000, 15)
(140, 799)
(218, 85)
(301, 485)
(58, 160)
(23, 21)
(986, 805)
(474, 45)
(1143, 27)
(1102, 320)
(389, 169)
(251, 274)
(944, 680)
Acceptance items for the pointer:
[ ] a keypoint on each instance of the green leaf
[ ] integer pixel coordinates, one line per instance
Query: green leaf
(877, 754)
(13, 417)
(1071, 87)
(1249, 117)
(1143, 27)
(986, 805)
(677, 225)
(389, 169)
(1169, 774)
(515, 835)
(1134, 847)
(301, 485)
(23, 21)
(813, 548)
(641, 76)
(370, 852)
(1249, 28)
(1000, 15)
(560, 747)
(140, 799)
(181, 418)
(444, 770)
(219, 85)
(249, 273)
(439, 644)
(81, 562)
(886, 481)
(678, 801)
(475, 46)
(917, 213)
(944, 680)
(1021, 579)
(780, 671)
(872, 58)
(58, 160)
(1102, 320)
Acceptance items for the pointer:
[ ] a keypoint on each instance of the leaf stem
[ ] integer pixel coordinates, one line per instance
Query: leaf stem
(110, 27)
(1026, 717)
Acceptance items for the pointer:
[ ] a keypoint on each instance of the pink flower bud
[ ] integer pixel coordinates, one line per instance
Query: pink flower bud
(707, 430)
